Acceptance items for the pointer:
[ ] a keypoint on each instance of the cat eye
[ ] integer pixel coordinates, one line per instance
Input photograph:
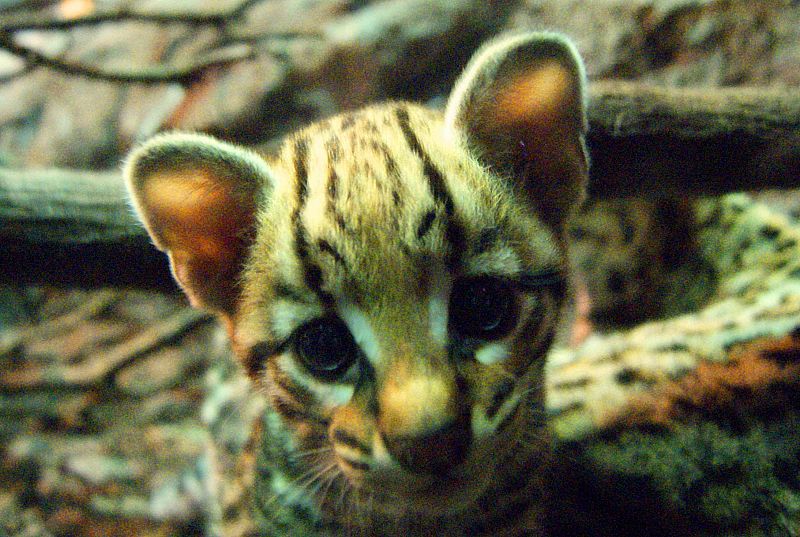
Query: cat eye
(325, 347)
(482, 307)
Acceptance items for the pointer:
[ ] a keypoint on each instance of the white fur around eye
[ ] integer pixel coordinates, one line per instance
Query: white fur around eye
(439, 305)
(287, 316)
(328, 394)
(500, 260)
(491, 353)
(362, 331)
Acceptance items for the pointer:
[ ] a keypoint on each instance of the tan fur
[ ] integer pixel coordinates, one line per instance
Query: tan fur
(372, 218)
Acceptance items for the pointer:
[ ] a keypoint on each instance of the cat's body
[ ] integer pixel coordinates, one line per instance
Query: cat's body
(391, 282)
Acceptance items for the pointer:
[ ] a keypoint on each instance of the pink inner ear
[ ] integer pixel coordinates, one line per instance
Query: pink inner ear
(204, 226)
(540, 111)
(545, 97)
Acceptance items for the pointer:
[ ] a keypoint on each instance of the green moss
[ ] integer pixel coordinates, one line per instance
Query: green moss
(724, 480)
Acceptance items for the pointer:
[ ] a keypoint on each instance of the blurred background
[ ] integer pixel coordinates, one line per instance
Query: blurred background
(104, 393)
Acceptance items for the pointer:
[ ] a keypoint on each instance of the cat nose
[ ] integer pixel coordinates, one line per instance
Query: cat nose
(432, 452)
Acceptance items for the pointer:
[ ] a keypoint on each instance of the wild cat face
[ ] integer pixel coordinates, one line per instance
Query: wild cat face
(394, 277)
(398, 305)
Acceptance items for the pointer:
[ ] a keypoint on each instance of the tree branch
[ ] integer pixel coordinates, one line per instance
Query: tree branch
(35, 21)
(185, 74)
(11, 6)
(75, 228)
(649, 140)
(153, 75)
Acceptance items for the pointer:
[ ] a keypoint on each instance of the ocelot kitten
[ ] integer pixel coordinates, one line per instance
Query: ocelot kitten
(391, 281)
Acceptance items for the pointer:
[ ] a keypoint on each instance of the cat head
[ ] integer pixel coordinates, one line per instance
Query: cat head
(394, 276)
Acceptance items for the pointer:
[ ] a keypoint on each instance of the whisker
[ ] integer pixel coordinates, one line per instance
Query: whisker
(308, 453)
(333, 475)
(302, 482)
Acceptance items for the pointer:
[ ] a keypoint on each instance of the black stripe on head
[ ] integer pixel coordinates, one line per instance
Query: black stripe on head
(487, 240)
(454, 234)
(333, 195)
(328, 248)
(333, 188)
(391, 164)
(293, 293)
(369, 126)
(334, 148)
(312, 274)
(301, 172)
(392, 172)
(348, 121)
(426, 223)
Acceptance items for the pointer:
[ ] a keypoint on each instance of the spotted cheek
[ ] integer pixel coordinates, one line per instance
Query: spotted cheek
(529, 346)
(505, 373)
(353, 436)
(497, 395)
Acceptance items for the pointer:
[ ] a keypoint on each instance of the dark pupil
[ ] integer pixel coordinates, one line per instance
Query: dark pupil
(325, 347)
(482, 307)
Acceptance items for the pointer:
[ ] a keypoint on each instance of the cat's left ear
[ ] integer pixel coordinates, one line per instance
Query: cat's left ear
(520, 105)
(198, 197)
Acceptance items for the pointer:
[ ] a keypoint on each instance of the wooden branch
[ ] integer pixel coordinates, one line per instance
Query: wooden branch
(65, 206)
(14, 6)
(158, 74)
(75, 228)
(24, 19)
(102, 364)
(650, 140)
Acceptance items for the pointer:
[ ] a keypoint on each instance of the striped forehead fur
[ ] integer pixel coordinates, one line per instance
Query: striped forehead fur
(343, 211)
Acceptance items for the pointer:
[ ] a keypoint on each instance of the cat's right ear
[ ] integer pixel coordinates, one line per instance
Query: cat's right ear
(521, 106)
(198, 198)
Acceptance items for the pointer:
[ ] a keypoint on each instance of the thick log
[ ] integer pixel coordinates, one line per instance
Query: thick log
(73, 228)
(657, 141)
(76, 227)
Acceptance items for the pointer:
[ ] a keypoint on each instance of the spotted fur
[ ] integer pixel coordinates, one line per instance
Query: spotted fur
(364, 227)
(639, 259)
